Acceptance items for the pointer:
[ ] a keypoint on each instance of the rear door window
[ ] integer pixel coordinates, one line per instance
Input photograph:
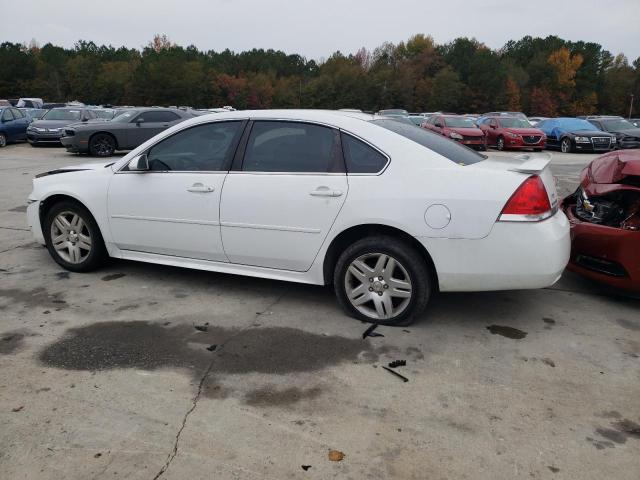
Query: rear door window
(292, 147)
(6, 115)
(360, 157)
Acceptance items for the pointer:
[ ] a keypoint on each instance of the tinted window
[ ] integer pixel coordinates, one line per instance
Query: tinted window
(459, 122)
(200, 148)
(437, 143)
(161, 116)
(6, 114)
(360, 157)
(291, 147)
(17, 113)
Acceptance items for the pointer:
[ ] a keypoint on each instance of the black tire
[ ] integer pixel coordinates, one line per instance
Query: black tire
(102, 145)
(565, 145)
(500, 143)
(3, 140)
(407, 256)
(97, 255)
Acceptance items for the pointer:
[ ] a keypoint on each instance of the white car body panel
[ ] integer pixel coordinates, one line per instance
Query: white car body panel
(268, 225)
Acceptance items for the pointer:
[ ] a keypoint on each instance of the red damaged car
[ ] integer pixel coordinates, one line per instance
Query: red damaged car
(459, 128)
(604, 214)
(516, 133)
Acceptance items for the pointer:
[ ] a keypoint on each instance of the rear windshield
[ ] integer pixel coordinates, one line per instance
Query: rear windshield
(447, 148)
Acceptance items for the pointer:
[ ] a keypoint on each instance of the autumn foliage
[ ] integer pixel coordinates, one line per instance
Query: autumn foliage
(542, 76)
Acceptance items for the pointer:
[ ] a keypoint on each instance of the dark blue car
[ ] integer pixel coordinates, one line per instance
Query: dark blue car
(13, 125)
(575, 135)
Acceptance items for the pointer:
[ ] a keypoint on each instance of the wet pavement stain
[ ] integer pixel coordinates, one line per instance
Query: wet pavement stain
(272, 396)
(508, 332)
(148, 346)
(622, 430)
(113, 276)
(36, 298)
(20, 209)
(11, 342)
(629, 324)
(62, 275)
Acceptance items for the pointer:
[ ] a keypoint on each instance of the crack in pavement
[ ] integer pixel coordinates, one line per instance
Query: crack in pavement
(194, 403)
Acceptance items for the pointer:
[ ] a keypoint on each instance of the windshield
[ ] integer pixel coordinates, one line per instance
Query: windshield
(437, 143)
(394, 111)
(459, 122)
(416, 120)
(515, 123)
(617, 124)
(62, 114)
(125, 116)
(108, 114)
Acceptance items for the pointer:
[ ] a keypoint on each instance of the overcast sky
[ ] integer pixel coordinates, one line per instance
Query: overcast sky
(316, 28)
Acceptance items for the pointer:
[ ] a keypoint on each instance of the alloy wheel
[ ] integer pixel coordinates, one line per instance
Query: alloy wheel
(565, 146)
(103, 146)
(378, 286)
(3, 140)
(500, 143)
(70, 237)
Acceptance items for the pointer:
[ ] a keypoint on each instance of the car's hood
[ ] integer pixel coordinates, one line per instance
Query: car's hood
(631, 132)
(51, 123)
(590, 133)
(468, 131)
(526, 131)
(89, 165)
(617, 170)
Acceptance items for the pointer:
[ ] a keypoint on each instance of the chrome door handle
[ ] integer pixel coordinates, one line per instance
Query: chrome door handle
(325, 192)
(200, 188)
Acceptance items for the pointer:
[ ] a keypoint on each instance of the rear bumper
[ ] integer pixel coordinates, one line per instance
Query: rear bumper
(605, 254)
(515, 255)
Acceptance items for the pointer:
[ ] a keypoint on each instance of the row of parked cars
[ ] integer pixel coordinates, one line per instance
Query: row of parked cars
(514, 131)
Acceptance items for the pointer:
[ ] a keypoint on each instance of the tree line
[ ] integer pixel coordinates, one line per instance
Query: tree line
(540, 76)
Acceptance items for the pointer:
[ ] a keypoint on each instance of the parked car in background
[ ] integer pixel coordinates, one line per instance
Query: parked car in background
(635, 121)
(50, 127)
(5, 103)
(456, 127)
(49, 105)
(576, 135)
(417, 120)
(385, 212)
(627, 134)
(535, 120)
(512, 133)
(29, 103)
(13, 125)
(131, 128)
(604, 214)
(34, 113)
(505, 114)
(393, 112)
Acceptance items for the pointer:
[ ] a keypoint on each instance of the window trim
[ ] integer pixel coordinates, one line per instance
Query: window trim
(227, 163)
(238, 161)
(380, 172)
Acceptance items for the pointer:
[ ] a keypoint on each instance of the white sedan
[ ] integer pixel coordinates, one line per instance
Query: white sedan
(384, 211)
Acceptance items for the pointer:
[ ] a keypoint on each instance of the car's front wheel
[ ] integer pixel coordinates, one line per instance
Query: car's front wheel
(565, 145)
(102, 145)
(73, 237)
(3, 140)
(500, 143)
(382, 280)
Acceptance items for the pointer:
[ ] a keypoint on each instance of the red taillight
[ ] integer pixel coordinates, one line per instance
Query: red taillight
(529, 202)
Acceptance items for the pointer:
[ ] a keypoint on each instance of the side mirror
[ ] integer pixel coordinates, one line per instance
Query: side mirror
(139, 163)
(139, 121)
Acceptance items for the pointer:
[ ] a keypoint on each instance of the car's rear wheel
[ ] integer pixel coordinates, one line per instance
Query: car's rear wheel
(382, 280)
(102, 145)
(565, 145)
(3, 140)
(73, 237)
(500, 143)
